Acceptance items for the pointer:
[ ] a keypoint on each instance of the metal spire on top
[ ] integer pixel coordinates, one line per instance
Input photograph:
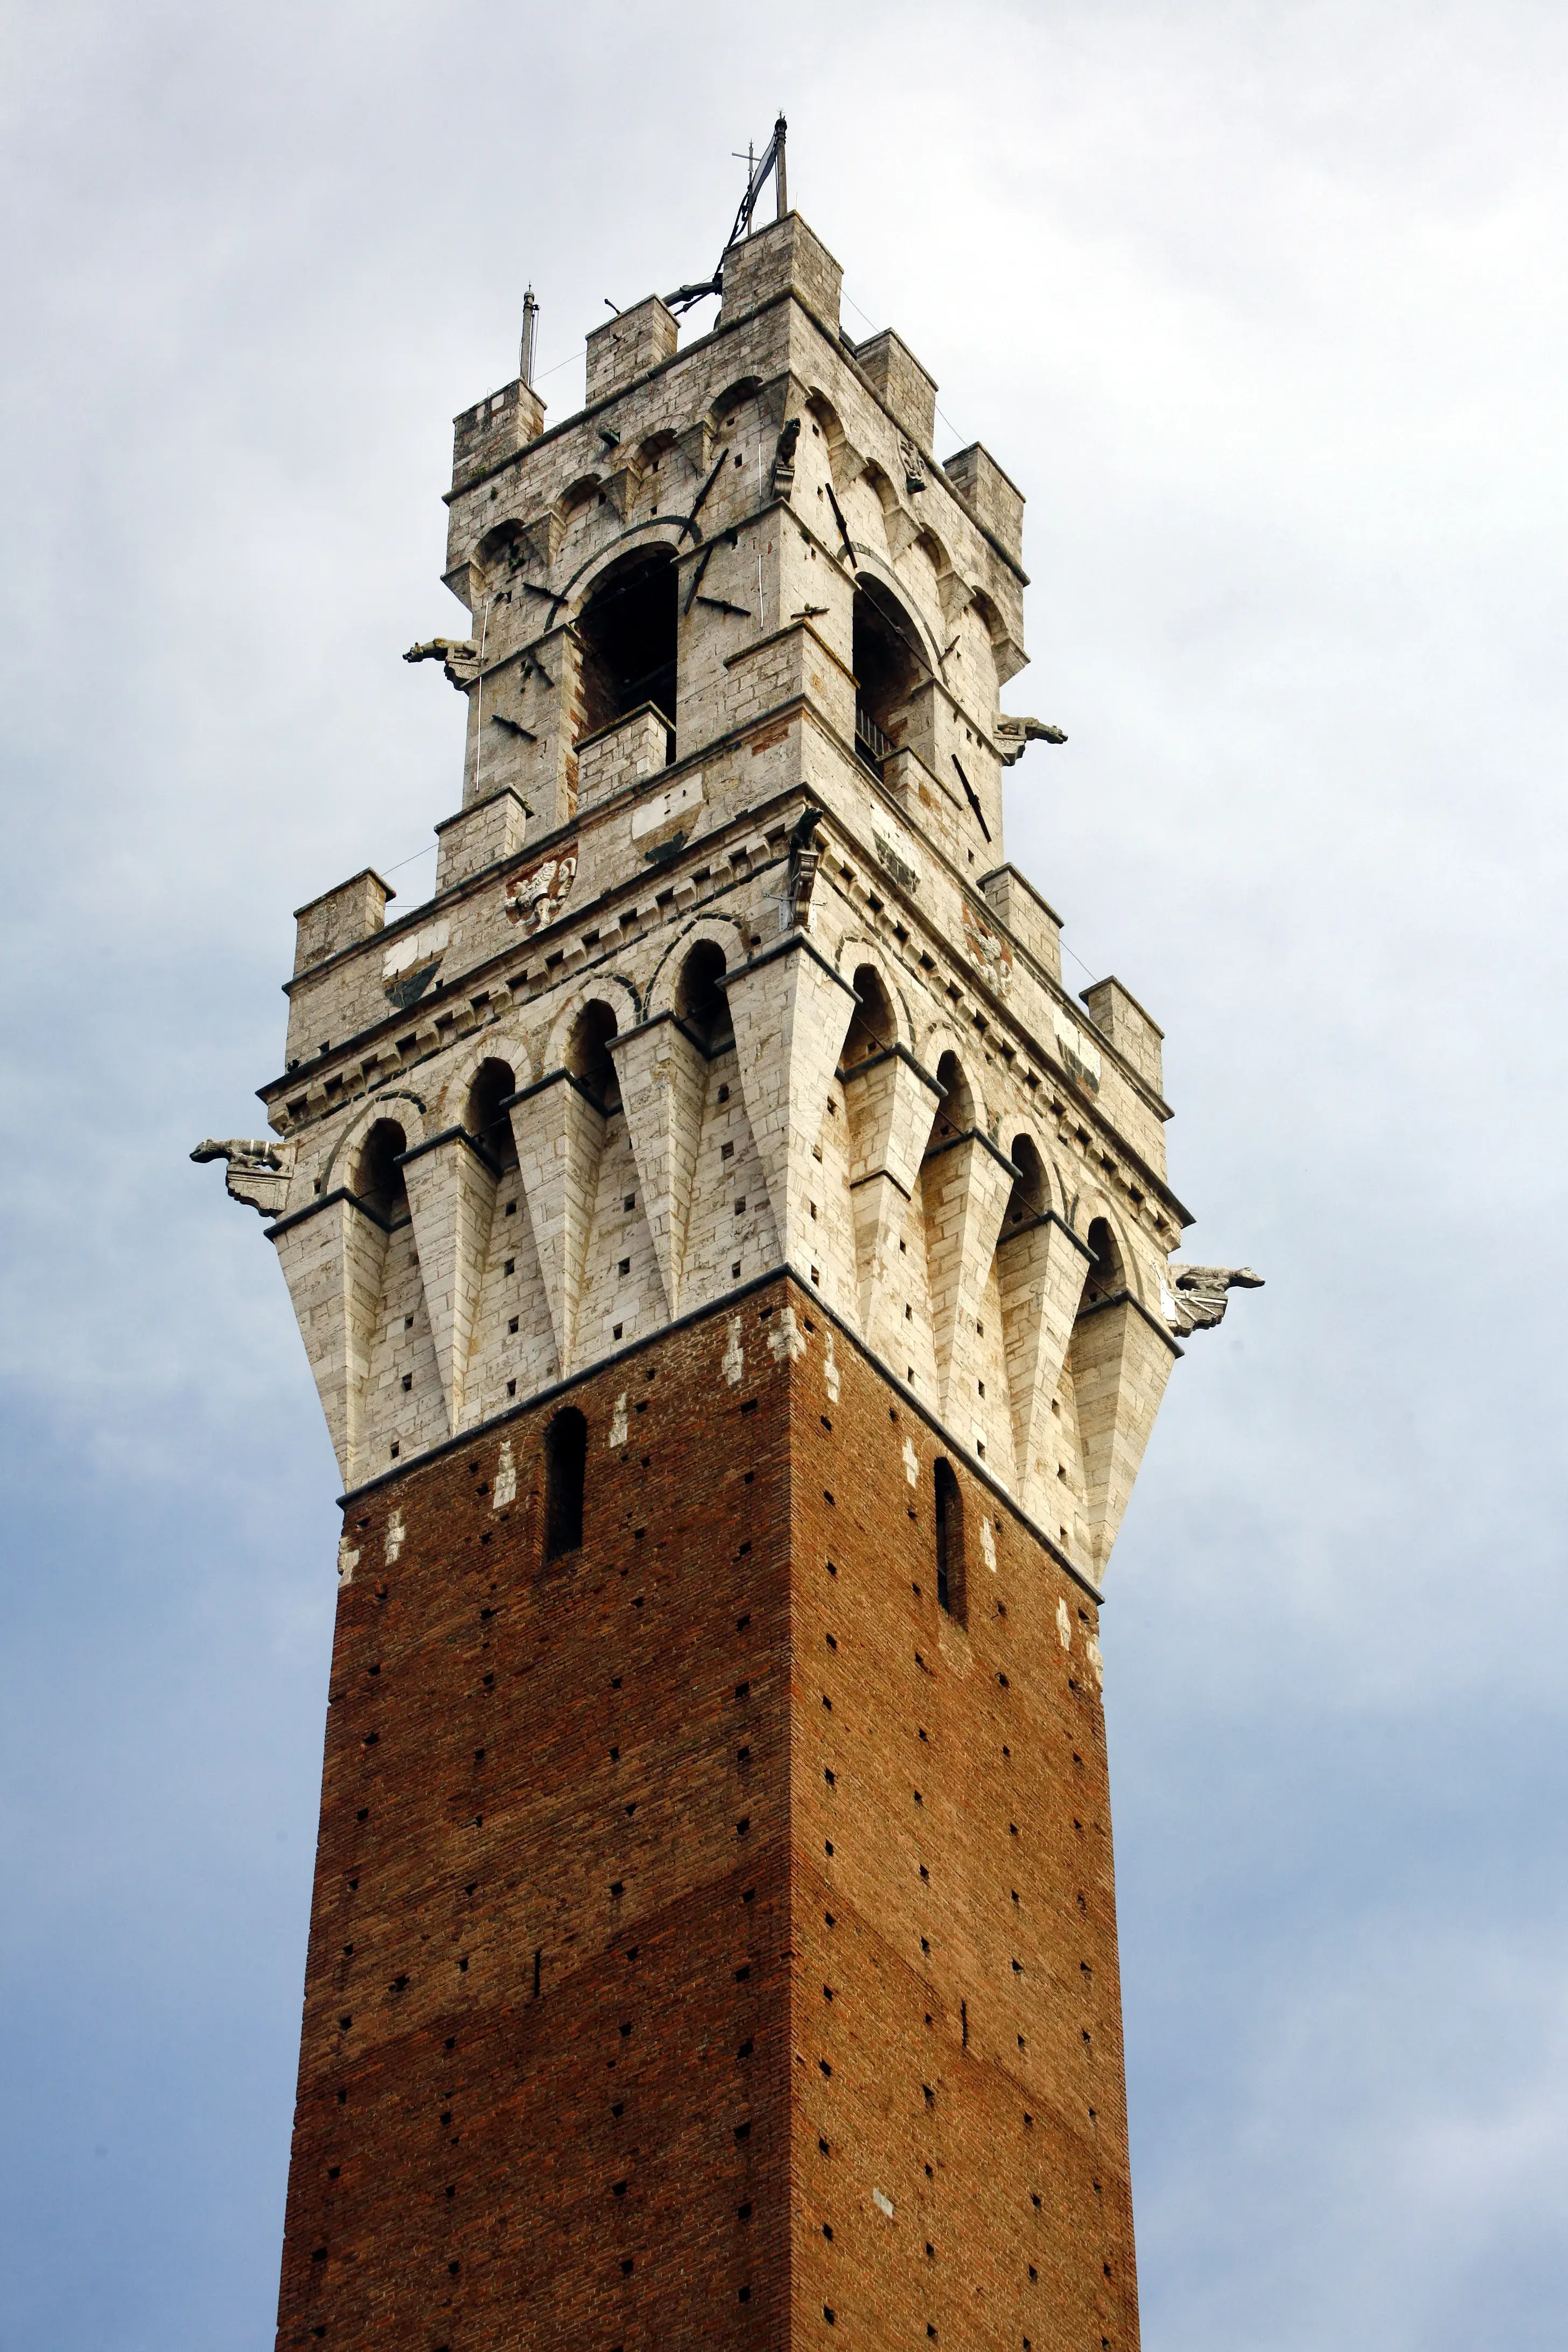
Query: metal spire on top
(773, 160)
(530, 329)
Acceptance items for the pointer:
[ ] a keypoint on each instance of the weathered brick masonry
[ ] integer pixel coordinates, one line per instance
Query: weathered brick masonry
(737, 1277)
(711, 1932)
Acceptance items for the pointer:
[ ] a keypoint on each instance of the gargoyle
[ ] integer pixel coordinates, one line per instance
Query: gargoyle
(795, 910)
(783, 459)
(259, 1170)
(1196, 1298)
(459, 657)
(1013, 736)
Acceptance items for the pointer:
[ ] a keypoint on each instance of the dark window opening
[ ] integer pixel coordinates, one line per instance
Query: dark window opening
(565, 1466)
(628, 634)
(949, 1541)
(378, 1180)
(872, 1028)
(1029, 1194)
(588, 1055)
(887, 669)
(1106, 1276)
(487, 1122)
(955, 1113)
(700, 999)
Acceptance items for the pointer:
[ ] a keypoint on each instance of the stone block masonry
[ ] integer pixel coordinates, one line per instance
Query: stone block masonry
(714, 1937)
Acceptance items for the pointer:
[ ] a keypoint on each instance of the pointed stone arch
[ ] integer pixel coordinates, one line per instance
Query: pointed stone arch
(721, 932)
(506, 1042)
(611, 988)
(407, 1108)
(1015, 1131)
(943, 1037)
(858, 948)
(726, 405)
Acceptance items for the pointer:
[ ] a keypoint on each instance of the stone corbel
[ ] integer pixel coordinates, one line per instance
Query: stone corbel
(967, 1185)
(559, 1130)
(846, 464)
(790, 1011)
(334, 1256)
(621, 489)
(542, 538)
(696, 446)
(957, 596)
(662, 1073)
(451, 1186)
(1122, 1357)
(891, 1102)
(902, 530)
(1041, 1267)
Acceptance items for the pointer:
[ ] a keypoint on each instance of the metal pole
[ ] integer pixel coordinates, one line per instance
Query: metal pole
(779, 129)
(530, 326)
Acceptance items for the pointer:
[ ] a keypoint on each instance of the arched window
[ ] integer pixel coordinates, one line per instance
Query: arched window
(949, 1541)
(872, 1028)
(700, 1002)
(487, 1122)
(627, 630)
(566, 1465)
(887, 667)
(1029, 1197)
(1107, 1275)
(378, 1180)
(955, 1115)
(588, 1055)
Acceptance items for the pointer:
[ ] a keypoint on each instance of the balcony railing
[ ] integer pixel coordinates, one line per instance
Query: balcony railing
(871, 742)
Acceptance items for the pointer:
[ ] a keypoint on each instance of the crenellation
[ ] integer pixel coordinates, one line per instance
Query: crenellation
(340, 918)
(907, 389)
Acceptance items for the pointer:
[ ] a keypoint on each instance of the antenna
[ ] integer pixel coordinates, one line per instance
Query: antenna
(773, 160)
(530, 330)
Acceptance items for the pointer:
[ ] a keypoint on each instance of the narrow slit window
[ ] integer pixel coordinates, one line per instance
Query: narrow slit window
(949, 1540)
(565, 1464)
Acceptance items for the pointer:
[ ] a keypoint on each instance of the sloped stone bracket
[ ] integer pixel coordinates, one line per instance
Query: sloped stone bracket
(790, 1013)
(662, 1070)
(966, 1184)
(1122, 1357)
(1041, 1269)
(891, 1100)
(451, 1181)
(334, 1256)
(559, 1130)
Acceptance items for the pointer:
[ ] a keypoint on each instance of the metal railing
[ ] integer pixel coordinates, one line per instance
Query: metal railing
(871, 742)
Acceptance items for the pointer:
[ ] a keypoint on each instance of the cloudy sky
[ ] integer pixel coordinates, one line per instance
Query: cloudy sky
(1263, 307)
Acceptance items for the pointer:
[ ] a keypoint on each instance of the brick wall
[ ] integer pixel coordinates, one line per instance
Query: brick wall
(576, 1921)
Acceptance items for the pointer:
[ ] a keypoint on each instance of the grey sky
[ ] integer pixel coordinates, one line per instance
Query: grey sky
(1264, 307)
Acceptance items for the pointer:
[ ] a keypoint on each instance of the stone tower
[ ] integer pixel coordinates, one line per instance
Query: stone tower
(734, 1270)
